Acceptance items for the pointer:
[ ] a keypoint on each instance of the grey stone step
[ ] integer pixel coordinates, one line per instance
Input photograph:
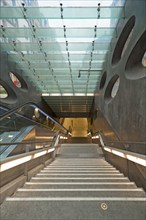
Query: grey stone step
(83, 185)
(80, 161)
(78, 209)
(79, 180)
(78, 194)
(79, 140)
(80, 172)
(80, 168)
(77, 189)
(88, 175)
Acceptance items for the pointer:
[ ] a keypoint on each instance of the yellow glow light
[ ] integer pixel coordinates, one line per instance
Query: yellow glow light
(39, 154)
(107, 149)
(50, 150)
(118, 153)
(14, 163)
(136, 160)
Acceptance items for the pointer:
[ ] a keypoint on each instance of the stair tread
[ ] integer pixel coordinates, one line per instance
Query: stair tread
(78, 188)
(71, 210)
(79, 194)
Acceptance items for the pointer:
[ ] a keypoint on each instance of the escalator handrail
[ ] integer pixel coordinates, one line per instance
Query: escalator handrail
(14, 110)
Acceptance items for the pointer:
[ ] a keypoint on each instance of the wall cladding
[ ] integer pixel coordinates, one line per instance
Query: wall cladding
(18, 96)
(125, 111)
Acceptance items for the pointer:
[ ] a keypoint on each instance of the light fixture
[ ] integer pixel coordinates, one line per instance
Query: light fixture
(126, 155)
(16, 162)
(10, 136)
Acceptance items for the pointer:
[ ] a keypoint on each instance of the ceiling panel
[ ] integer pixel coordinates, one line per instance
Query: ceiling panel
(60, 46)
(70, 105)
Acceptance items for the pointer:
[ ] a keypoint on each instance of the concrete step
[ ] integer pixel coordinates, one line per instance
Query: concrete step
(80, 166)
(83, 185)
(78, 179)
(81, 161)
(77, 189)
(48, 194)
(79, 175)
(79, 140)
(80, 169)
(80, 151)
(79, 172)
(74, 208)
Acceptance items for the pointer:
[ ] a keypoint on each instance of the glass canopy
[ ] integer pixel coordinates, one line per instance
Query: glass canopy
(60, 46)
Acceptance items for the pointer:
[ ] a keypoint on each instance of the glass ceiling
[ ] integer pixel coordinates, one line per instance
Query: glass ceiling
(60, 46)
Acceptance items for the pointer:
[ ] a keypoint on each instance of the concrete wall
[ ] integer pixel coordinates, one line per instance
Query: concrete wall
(124, 115)
(18, 96)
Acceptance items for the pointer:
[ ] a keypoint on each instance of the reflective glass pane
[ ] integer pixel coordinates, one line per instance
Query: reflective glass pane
(15, 80)
(56, 47)
(3, 92)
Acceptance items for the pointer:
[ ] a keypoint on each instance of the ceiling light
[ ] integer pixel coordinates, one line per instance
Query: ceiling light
(67, 94)
(55, 94)
(80, 94)
(10, 135)
(45, 94)
(90, 94)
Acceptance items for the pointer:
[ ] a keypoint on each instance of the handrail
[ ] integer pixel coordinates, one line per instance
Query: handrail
(5, 115)
(9, 112)
(25, 142)
(6, 164)
(126, 142)
(134, 157)
(119, 141)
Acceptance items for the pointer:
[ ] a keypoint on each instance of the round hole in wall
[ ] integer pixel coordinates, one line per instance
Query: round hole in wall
(115, 88)
(103, 80)
(18, 81)
(123, 40)
(144, 60)
(112, 88)
(135, 66)
(7, 94)
(3, 92)
(15, 80)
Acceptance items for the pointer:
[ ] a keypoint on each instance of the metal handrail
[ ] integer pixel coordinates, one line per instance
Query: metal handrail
(14, 110)
(26, 142)
(119, 141)
(126, 142)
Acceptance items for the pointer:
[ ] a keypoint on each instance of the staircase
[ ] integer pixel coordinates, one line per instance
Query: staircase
(78, 185)
(77, 140)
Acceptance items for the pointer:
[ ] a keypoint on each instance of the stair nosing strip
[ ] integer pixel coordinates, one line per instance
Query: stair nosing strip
(79, 183)
(76, 199)
(81, 190)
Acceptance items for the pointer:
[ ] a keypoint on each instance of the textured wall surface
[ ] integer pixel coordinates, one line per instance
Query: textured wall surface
(125, 114)
(18, 96)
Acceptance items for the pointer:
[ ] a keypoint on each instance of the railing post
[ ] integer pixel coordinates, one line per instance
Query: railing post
(26, 165)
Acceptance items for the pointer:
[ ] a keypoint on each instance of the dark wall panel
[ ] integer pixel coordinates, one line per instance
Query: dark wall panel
(125, 111)
(18, 96)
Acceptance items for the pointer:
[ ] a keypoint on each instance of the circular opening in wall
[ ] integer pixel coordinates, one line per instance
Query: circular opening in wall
(144, 60)
(136, 63)
(15, 80)
(112, 88)
(7, 94)
(123, 40)
(3, 92)
(103, 80)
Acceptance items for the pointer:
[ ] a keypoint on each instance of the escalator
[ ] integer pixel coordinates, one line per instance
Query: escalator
(25, 123)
